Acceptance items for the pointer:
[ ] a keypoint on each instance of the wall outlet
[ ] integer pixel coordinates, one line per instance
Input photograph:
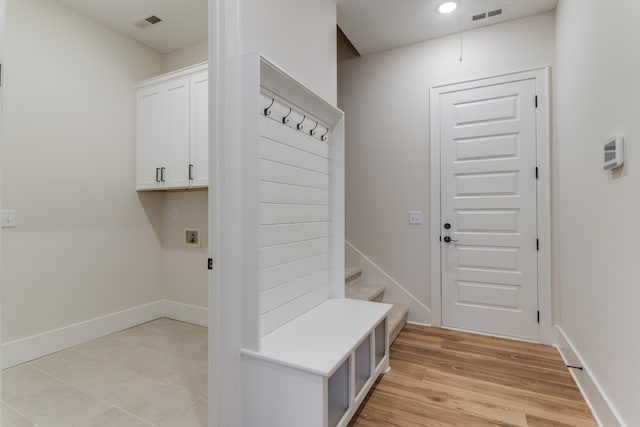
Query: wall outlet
(192, 237)
(175, 213)
(416, 217)
(8, 219)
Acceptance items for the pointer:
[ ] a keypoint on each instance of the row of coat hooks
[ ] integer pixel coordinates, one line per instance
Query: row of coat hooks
(288, 116)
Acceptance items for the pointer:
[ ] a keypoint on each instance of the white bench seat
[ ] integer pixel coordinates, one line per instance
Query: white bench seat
(317, 369)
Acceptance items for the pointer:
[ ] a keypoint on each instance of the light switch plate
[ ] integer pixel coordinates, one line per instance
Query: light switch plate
(416, 217)
(8, 219)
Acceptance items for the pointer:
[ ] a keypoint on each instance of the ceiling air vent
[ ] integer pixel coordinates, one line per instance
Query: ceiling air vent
(478, 16)
(489, 14)
(153, 19)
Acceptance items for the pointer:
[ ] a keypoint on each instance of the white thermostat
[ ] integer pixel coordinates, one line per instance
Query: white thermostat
(613, 149)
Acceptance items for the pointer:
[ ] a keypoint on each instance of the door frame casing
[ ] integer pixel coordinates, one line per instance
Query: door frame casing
(546, 331)
(225, 214)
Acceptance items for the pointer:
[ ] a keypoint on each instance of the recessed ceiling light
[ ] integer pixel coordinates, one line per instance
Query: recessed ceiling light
(447, 7)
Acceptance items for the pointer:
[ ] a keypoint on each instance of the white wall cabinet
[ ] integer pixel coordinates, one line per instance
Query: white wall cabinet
(173, 130)
(199, 141)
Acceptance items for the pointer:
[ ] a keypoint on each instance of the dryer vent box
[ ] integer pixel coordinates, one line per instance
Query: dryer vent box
(613, 152)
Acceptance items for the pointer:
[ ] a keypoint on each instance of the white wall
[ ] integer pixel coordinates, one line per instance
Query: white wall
(86, 243)
(298, 35)
(188, 55)
(184, 269)
(596, 213)
(109, 253)
(386, 102)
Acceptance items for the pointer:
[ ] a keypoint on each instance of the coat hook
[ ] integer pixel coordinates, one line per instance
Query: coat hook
(324, 137)
(285, 120)
(299, 125)
(313, 131)
(267, 111)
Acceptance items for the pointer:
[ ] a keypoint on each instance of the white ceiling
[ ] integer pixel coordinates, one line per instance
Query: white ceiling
(376, 25)
(184, 21)
(370, 25)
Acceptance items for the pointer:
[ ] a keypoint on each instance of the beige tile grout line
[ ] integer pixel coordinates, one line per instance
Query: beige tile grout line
(20, 413)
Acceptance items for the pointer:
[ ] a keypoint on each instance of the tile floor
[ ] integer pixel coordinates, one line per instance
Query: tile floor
(154, 374)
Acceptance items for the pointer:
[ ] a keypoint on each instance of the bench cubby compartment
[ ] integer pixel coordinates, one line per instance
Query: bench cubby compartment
(363, 364)
(338, 392)
(380, 335)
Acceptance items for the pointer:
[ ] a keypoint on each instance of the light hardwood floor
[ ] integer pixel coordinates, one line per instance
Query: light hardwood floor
(448, 378)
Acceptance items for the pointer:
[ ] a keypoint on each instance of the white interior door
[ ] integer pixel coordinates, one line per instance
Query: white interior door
(488, 209)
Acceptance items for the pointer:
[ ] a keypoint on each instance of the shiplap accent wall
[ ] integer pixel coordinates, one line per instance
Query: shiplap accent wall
(295, 222)
(289, 196)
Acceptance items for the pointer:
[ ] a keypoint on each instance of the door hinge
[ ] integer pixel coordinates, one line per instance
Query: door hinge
(538, 316)
(536, 101)
(210, 264)
(537, 172)
(537, 244)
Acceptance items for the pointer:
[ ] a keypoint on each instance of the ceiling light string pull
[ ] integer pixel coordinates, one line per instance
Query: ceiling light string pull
(460, 28)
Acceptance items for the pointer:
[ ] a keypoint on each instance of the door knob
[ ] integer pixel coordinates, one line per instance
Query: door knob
(448, 239)
(447, 226)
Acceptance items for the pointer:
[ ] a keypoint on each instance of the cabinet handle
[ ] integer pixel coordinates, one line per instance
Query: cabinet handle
(162, 169)
(157, 170)
(190, 172)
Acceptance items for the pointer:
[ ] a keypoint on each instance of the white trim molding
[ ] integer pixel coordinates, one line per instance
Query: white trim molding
(186, 313)
(43, 344)
(419, 313)
(546, 332)
(599, 403)
(225, 214)
(33, 347)
(2, 36)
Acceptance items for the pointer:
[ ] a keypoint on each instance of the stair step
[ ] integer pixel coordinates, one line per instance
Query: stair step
(366, 291)
(352, 275)
(397, 318)
(356, 289)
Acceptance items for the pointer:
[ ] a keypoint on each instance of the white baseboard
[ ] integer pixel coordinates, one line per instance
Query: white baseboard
(33, 347)
(186, 313)
(419, 313)
(419, 324)
(598, 402)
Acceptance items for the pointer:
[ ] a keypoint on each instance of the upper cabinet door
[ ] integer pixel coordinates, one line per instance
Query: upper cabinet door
(199, 147)
(176, 172)
(153, 138)
(173, 130)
